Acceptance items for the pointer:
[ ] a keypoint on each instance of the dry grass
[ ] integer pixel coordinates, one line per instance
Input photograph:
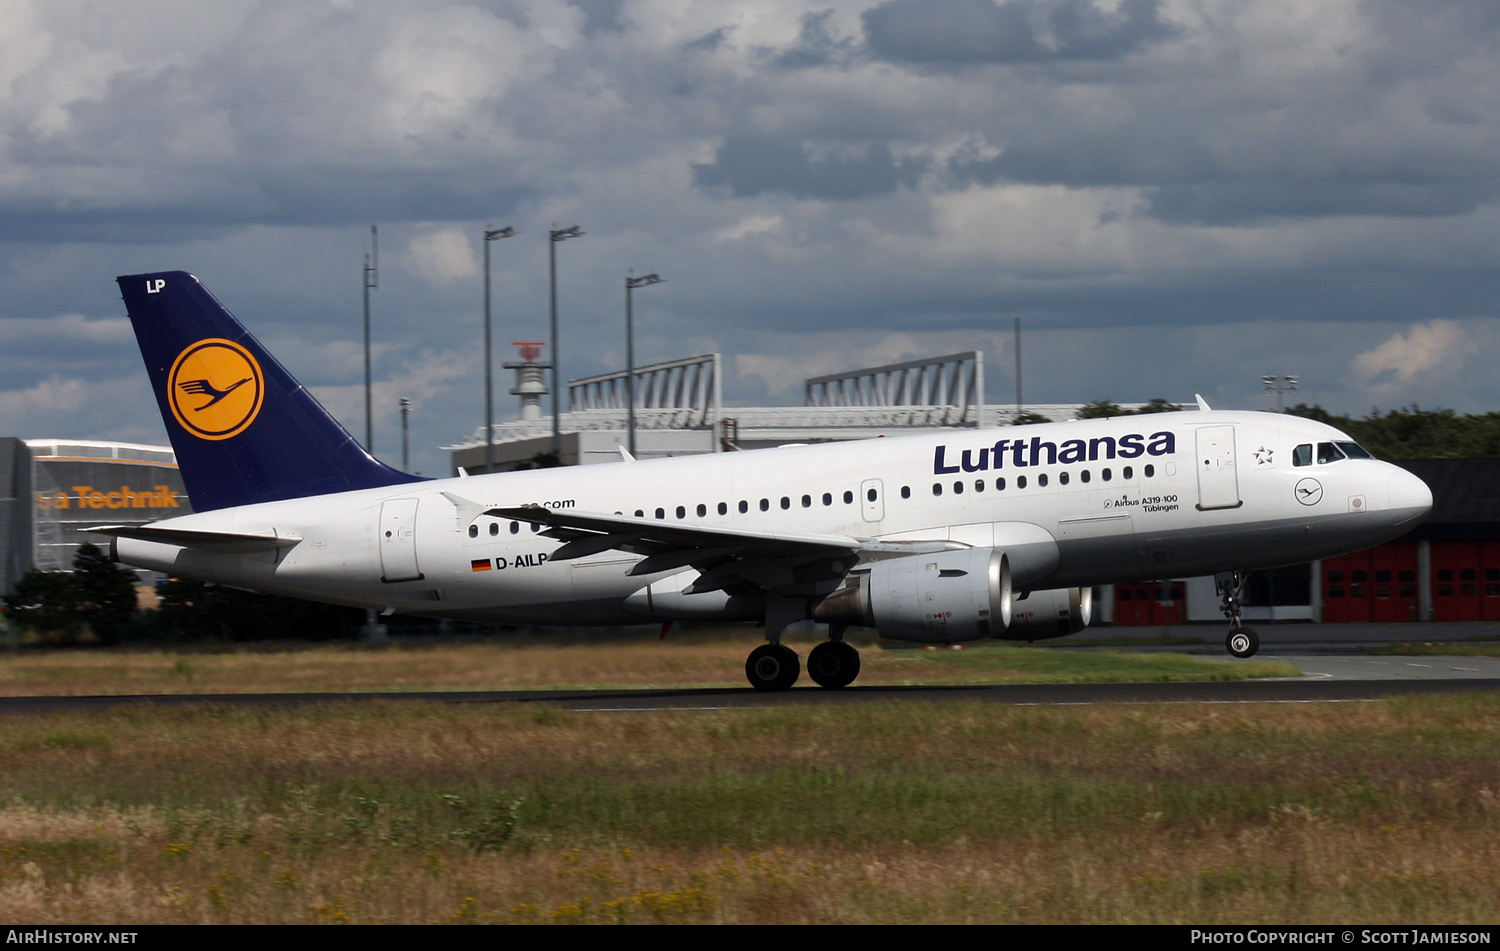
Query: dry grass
(1385, 812)
(678, 661)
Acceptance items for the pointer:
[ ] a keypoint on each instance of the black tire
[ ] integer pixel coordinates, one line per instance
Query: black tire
(1242, 642)
(772, 667)
(833, 665)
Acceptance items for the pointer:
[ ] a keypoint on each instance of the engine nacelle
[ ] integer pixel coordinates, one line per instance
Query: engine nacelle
(1054, 613)
(943, 598)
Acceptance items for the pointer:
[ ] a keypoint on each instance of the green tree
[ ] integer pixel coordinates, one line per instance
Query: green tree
(1158, 405)
(1026, 419)
(104, 592)
(194, 610)
(96, 596)
(1100, 409)
(1415, 433)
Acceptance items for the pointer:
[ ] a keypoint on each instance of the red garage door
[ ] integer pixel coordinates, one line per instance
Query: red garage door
(1465, 581)
(1378, 584)
(1154, 604)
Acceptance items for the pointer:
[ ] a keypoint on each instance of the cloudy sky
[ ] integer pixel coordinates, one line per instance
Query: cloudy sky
(1175, 196)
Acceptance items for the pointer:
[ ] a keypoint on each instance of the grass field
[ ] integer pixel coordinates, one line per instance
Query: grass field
(693, 660)
(1377, 812)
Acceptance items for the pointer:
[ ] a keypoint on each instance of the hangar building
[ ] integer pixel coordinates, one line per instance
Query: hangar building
(49, 488)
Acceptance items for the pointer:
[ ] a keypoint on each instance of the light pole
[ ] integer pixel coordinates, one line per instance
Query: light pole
(1278, 385)
(631, 283)
(405, 446)
(489, 388)
(371, 281)
(557, 234)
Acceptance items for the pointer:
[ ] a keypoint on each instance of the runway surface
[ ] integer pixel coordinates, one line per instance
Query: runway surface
(1334, 670)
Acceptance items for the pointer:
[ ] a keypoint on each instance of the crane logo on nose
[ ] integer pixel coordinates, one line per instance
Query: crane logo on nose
(1309, 491)
(215, 388)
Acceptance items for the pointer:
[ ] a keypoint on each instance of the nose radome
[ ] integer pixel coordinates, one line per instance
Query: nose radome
(1411, 499)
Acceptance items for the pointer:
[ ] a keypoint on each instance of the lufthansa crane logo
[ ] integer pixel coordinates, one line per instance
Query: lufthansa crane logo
(1308, 491)
(215, 388)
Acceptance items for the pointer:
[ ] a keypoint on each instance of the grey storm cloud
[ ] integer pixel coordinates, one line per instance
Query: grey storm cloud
(751, 167)
(1024, 31)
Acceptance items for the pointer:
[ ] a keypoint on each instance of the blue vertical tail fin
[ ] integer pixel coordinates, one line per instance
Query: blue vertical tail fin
(244, 430)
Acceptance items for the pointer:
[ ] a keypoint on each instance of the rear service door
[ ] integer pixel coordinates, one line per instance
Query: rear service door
(398, 540)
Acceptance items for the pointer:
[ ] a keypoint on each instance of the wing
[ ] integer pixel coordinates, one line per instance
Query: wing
(724, 558)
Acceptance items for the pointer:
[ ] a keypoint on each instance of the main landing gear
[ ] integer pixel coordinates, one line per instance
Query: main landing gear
(832, 664)
(1242, 641)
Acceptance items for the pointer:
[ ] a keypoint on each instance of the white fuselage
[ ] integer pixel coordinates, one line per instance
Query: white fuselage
(1132, 498)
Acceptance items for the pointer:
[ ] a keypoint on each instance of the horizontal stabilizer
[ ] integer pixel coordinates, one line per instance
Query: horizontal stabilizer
(227, 542)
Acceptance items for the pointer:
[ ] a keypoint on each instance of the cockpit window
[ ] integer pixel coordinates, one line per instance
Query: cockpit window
(1302, 455)
(1328, 452)
(1354, 450)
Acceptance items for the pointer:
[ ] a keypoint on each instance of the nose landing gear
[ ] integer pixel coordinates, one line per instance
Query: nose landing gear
(1242, 641)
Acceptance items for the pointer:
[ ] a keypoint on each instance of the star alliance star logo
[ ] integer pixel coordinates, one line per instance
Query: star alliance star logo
(1263, 456)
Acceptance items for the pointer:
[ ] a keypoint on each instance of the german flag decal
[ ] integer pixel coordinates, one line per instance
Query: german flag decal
(480, 564)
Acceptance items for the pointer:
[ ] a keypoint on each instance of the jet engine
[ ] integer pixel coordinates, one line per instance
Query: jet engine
(944, 598)
(1058, 612)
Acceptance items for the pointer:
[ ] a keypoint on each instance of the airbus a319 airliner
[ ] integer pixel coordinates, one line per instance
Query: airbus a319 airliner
(938, 538)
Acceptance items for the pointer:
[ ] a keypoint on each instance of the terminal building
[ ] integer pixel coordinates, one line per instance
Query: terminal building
(50, 488)
(679, 410)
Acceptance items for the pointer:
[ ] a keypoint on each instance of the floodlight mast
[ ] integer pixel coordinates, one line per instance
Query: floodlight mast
(405, 443)
(631, 283)
(557, 234)
(371, 281)
(1271, 383)
(489, 388)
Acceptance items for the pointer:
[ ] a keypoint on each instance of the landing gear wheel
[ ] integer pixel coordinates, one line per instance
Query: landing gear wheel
(1242, 642)
(833, 665)
(772, 667)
